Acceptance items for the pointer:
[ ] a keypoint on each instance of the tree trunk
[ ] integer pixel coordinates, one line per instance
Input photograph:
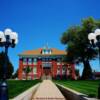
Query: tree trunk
(26, 76)
(87, 71)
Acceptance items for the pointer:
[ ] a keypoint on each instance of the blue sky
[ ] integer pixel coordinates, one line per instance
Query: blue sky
(40, 21)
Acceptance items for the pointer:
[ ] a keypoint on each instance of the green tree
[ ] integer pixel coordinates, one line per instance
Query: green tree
(27, 70)
(78, 47)
(15, 75)
(9, 69)
(77, 73)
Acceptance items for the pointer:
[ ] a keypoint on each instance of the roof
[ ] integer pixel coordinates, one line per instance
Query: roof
(38, 52)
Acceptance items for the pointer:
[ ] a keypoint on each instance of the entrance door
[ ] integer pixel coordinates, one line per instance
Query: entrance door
(47, 73)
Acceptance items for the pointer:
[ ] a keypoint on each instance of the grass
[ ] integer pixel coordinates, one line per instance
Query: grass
(15, 87)
(88, 87)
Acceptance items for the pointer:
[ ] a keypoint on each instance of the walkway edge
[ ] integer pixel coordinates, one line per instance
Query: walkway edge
(27, 95)
(72, 94)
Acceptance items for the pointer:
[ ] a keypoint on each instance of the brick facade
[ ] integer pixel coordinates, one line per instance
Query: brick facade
(45, 65)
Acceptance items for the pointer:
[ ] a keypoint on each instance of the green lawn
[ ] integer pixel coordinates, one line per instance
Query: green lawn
(89, 87)
(16, 87)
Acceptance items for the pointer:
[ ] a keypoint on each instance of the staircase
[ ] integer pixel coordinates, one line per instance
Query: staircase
(46, 77)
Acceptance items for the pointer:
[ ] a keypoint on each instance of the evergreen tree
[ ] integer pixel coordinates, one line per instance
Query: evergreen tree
(15, 75)
(9, 69)
(27, 70)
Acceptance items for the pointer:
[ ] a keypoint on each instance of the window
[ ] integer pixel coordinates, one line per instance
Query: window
(42, 51)
(46, 51)
(46, 59)
(29, 77)
(24, 61)
(64, 70)
(24, 77)
(69, 71)
(30, 61)
(46, 64)
(43, 59)
(34, 70)
(35, 76)
(35, 61)
(49, 51)
(23, 72)
(50, 59)
(58, 70)
(58, 61)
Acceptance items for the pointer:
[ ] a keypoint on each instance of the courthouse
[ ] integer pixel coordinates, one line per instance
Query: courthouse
(45, 63)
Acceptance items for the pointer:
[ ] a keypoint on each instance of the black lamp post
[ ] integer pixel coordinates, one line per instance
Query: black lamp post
(7, 39)
(95, 42)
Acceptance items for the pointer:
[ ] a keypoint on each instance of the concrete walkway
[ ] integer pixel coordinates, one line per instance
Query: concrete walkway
(48, 91)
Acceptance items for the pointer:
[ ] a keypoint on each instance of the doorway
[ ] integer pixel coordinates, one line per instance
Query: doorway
(47, 73)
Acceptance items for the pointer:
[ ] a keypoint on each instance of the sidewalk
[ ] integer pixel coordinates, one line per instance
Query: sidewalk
(48, 91)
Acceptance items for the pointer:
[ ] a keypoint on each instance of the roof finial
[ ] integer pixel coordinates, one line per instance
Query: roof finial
(47, 45)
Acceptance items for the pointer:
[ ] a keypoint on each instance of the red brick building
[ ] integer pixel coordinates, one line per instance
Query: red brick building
(45, 62)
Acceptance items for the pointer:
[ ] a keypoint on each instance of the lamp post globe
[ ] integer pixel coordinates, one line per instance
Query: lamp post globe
(8, 38)
(2, 37)
(97, 32)
(92, 38)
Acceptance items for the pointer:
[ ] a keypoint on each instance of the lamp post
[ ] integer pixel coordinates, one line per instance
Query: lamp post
(95, 42)
(8, 38)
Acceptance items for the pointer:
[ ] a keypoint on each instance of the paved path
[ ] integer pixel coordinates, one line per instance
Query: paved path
(48, 91)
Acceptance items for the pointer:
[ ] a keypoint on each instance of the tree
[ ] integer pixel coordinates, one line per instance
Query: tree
(27, 70)
(9, 69)
(78, 47)
(15, 75)
(77, 73)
